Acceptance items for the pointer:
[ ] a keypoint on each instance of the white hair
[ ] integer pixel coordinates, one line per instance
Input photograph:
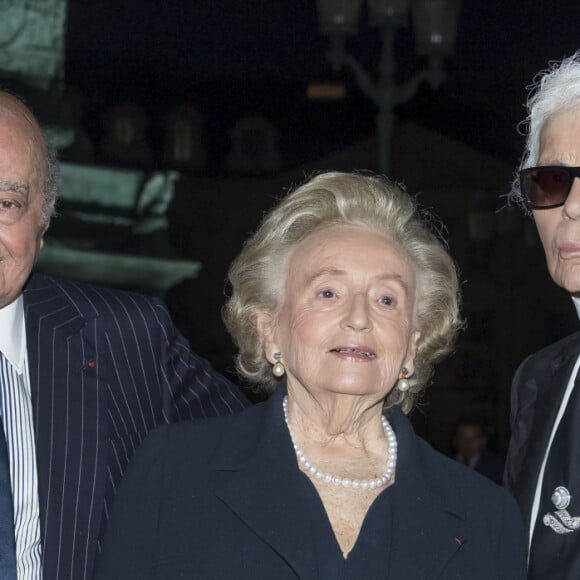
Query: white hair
(553, 90)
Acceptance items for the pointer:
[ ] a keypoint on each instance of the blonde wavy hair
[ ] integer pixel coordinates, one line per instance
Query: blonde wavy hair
(257, 275)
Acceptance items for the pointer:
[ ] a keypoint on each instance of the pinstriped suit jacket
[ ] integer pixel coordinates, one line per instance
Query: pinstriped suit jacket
(106, 367)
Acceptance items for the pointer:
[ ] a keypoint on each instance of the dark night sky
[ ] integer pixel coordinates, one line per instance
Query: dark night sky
(236, 56)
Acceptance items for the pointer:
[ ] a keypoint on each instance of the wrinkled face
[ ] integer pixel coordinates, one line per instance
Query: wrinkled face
(559, 227)
(21, 201)
(346, 321)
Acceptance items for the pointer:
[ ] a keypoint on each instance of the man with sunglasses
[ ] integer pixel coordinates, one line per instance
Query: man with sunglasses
(543, 463)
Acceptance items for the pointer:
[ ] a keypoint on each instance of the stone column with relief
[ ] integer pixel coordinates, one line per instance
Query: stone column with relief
(32, 37)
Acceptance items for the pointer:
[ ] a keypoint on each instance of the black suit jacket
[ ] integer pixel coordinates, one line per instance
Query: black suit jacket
(223, 499)
(106, 367)
(537, 392)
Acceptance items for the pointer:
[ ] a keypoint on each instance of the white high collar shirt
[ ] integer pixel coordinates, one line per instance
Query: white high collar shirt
(12, 335)
(17, 419)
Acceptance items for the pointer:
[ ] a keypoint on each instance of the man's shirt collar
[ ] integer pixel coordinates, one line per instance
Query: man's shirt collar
(12, 335)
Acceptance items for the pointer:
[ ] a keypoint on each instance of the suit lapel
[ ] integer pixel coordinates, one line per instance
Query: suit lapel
(429, 516)
(267, 492)
(540, 401)
(70, 426)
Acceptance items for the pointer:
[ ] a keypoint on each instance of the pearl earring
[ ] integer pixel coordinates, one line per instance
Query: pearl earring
(278, 369)
(403, 384)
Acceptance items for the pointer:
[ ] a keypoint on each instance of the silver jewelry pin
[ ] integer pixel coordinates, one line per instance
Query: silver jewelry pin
(560, 520)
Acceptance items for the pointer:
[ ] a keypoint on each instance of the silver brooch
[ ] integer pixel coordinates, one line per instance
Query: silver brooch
(560, 520)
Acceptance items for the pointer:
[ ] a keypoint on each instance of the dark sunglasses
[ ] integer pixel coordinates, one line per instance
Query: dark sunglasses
(548, 185)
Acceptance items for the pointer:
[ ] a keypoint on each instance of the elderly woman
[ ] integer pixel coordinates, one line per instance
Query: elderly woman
(341, 303)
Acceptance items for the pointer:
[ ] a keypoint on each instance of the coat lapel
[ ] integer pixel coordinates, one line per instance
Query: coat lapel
(429, 517)
(266, 492)
(540, 401)
(70, 426)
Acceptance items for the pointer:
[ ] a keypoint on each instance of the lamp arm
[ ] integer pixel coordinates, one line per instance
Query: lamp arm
(363, 79)
(406, 91)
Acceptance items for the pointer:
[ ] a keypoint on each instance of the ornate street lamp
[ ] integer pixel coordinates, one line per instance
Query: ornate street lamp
(435, 23)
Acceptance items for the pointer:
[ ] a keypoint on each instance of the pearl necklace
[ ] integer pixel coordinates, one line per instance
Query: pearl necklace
(315, 473)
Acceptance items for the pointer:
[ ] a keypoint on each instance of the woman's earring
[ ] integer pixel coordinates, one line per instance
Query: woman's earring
(403, 384)
(278, 369)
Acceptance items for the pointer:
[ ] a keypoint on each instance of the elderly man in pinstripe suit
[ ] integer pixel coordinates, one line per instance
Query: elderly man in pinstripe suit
(87, 373)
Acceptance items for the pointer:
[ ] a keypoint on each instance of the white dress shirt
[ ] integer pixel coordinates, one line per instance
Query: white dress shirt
(16, 410)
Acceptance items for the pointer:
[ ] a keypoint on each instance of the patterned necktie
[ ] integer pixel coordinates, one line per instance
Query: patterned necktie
(7, 543)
